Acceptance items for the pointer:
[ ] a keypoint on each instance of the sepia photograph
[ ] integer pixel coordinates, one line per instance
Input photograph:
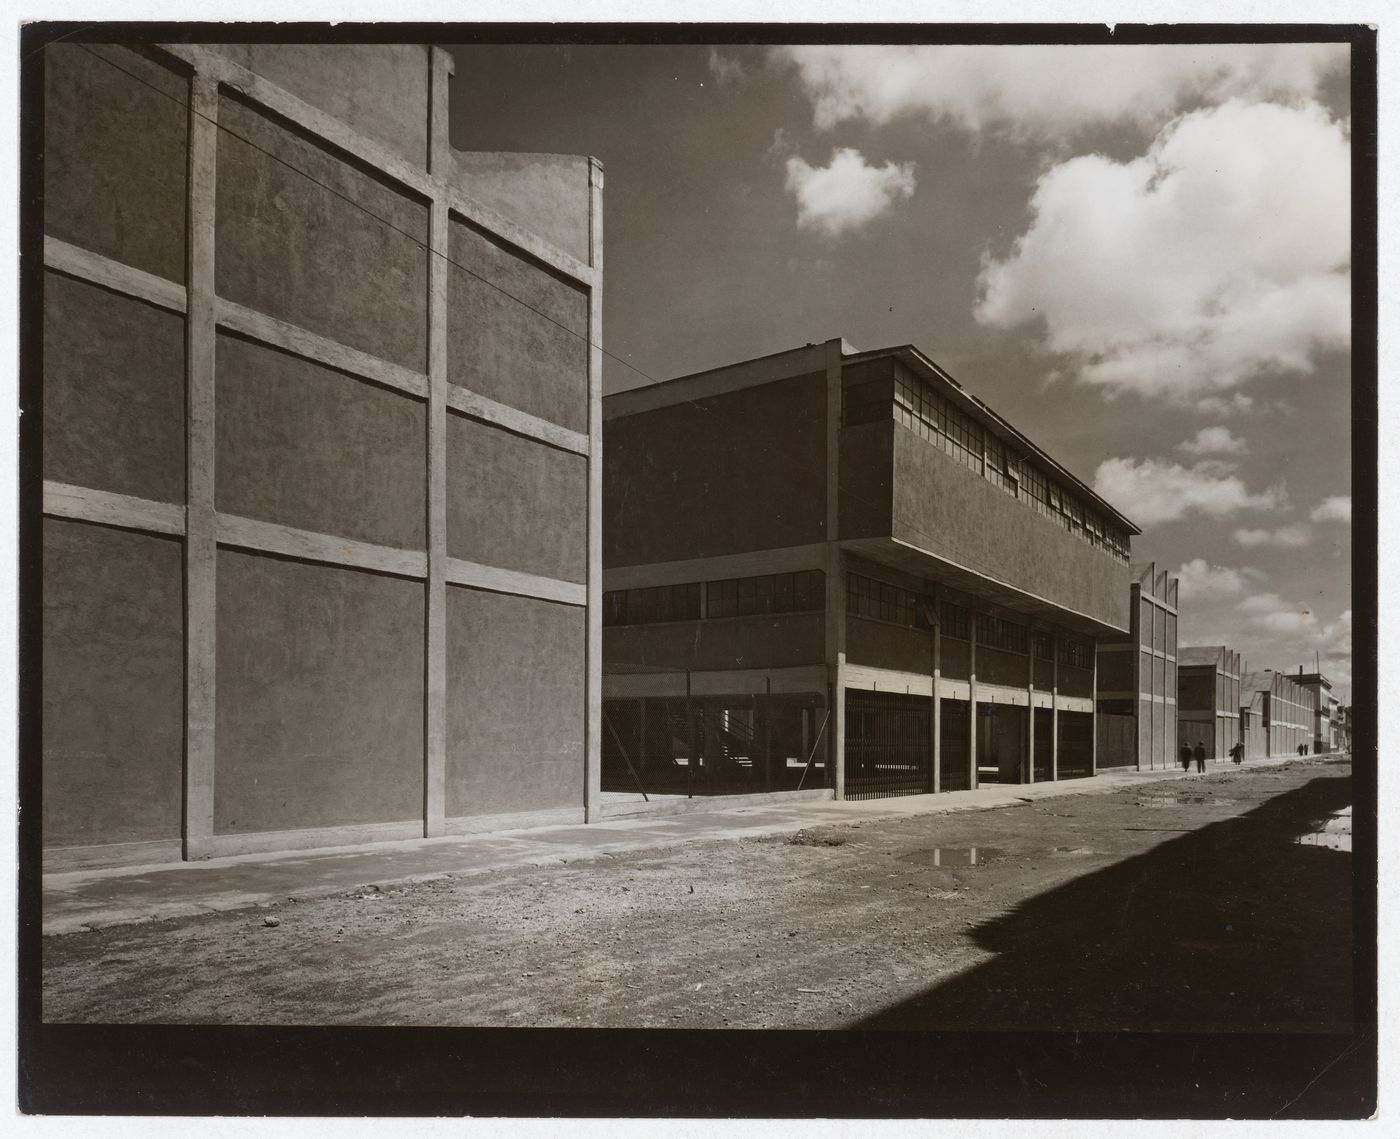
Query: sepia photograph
(623, 552)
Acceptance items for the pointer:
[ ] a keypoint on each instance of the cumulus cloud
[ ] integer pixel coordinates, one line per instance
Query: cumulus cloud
(725, 68)
(1336, 508)
(1039, 92)
(1201, 581)
(1271, 612)
(1285, 537)
(1236, 404)
(847, 193)
(1213, 441)
(1220, 254)
(1153, 490)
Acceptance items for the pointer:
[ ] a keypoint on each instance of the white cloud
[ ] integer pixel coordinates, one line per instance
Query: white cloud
(725, 68)
(1201, 581)
(1035, 91)
(846, 193)
(1285, 537)
(1213, 441)
(1337, 508)
(1152, 490)
(1236, 404)
(1271, 612)
(1220, 254)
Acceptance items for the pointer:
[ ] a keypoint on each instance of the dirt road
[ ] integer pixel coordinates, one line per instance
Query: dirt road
(1186, 904)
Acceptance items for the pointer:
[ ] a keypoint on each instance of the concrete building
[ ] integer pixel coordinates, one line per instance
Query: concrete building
(1137, 722)
(1324, 730)
(1208, 698)
(1276, 714)
(840, 569)
(321, 557)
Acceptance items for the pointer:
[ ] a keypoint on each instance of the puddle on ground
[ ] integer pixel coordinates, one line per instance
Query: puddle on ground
(952, 856)
(1185, 801)
(1335, 833)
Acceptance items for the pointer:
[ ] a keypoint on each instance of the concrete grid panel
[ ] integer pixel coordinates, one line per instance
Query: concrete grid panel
(313, 239)
(113, 680)
(514, 502)
(115, 155)
(517, 332)
(114, 392)
(305, 446)
(320, 712)
(516, 704)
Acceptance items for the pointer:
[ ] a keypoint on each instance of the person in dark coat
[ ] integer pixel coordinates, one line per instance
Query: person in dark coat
(1200, 754)
(1237, 752)
(1185, 757)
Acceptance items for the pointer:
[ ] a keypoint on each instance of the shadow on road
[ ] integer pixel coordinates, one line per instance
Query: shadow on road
(1231, 928)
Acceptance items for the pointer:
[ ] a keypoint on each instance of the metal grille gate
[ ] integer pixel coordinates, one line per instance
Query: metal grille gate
(887, 745)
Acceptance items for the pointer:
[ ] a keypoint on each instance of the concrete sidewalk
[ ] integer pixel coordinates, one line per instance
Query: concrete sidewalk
(90, 899)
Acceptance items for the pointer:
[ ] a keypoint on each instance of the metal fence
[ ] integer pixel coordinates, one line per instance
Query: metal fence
(887, 745)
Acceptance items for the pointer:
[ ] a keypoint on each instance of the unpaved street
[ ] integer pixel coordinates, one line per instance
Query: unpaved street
(1185, 904)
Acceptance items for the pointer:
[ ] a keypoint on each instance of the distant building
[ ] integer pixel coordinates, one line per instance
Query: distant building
(838, 569)
(1325, 734)
(1208, 698)
(321, 424)
(1276, 714)
(1137, 695)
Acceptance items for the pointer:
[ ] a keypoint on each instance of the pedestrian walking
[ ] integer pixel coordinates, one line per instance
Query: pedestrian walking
(1185, 757)
(1237, 752)
(1200, 754)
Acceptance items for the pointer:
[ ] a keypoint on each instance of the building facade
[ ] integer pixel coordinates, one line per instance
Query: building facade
(1276, 714)
(321, 424)
(1324, 730)
(838, 569)
(1208, 698)
(1137, 714)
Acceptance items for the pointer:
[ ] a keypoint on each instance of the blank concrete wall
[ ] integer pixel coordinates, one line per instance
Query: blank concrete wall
(722, 475)
(306, 446)
(515, 718)
(995, 666)
(320, 703)
(782, 641)
(884, 645)
(954, 658)
(311, 238)
(113, 702)
(953, 512)
(114, 392)
(1076, 681)
(516, 330)
(115, 141)
(491, 473)
(1116, 672)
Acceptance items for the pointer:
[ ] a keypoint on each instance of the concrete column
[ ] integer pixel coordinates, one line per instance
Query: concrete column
(1094, 714)
(1030, 706)
(972, 700)
(435, 633)
(835, 574)
(593, 774)
(936, 717)
(1055, 706)
(201, 550)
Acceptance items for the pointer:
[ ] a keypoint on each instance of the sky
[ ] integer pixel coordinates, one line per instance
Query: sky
(1139, 255)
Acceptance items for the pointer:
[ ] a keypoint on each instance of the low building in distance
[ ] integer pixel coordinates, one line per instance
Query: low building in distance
(1276, 714)
(1208, 698)
(839, 569)
(1137, 717)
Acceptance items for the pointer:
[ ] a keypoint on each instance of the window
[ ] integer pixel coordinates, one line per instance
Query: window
(1076, 653)
(954, 621)
(768, 593)
(652, 605)
(881, 601)
(1044, 646)
(998, 634)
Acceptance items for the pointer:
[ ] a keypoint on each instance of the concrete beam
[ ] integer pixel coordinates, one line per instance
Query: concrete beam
(308, 545)
(497, 580)
(475, 406)
(83, 504)
(99, 270)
